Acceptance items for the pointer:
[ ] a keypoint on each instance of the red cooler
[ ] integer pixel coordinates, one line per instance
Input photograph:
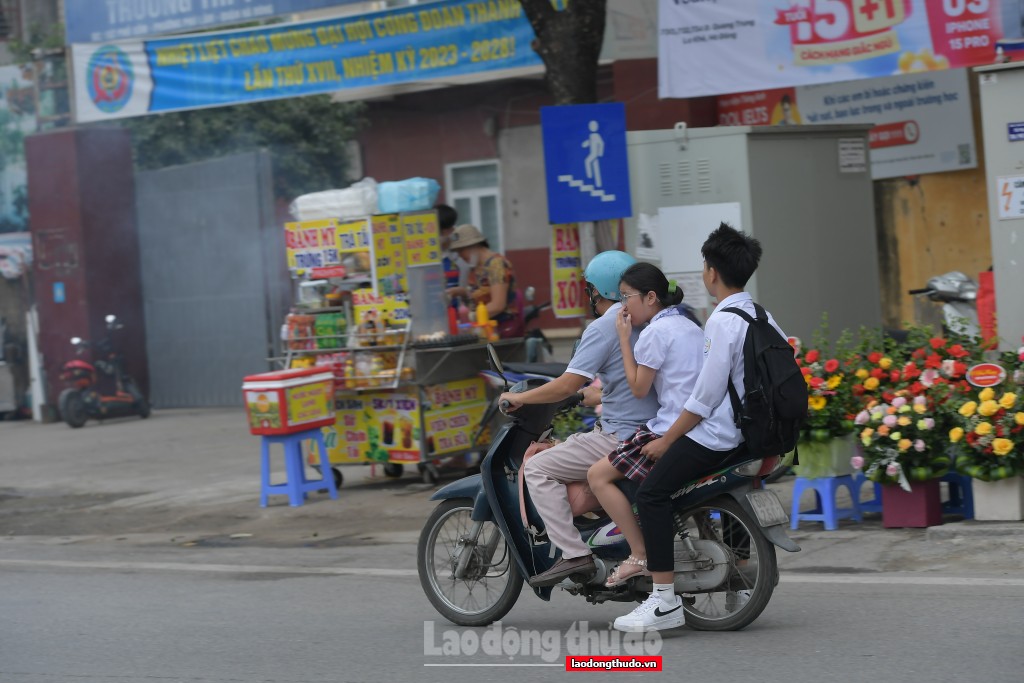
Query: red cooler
(289, 401)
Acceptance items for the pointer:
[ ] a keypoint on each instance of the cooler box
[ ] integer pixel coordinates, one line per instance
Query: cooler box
(289, 401)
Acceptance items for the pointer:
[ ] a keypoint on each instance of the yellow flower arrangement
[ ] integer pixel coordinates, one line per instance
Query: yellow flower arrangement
(989, 439)
(988, 408)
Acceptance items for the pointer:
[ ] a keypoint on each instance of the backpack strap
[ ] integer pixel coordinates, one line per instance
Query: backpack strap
(734, 397)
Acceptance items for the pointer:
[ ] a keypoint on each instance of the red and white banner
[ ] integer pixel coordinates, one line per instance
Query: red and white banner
(727, 46)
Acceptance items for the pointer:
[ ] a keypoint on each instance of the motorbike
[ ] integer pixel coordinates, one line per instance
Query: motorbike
(957, 293)
(538, 348)
(475, 548)
(101, 389)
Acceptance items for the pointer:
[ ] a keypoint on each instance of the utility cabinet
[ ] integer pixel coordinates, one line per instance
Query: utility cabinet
(1002, 121)
(805, 192)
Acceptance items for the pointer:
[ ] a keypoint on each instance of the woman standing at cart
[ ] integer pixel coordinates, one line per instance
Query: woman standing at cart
(492, 281)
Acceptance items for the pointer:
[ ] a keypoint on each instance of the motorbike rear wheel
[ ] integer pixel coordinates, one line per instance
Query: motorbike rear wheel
(752, 574)
(491, 583)
(72, 408)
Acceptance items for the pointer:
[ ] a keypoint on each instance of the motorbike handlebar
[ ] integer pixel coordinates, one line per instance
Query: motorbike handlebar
(504, 405)
(923, 290)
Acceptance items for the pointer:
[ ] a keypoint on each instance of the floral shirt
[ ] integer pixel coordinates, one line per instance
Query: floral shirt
(495, 270)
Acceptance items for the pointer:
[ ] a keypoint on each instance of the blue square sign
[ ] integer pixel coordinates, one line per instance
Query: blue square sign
(585, 162)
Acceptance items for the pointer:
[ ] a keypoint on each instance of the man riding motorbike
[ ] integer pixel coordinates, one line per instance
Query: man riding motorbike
(598, 355)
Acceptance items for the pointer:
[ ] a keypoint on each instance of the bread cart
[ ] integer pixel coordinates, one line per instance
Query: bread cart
(371, 306)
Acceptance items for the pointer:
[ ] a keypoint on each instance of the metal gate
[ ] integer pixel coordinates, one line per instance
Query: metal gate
(213, 278)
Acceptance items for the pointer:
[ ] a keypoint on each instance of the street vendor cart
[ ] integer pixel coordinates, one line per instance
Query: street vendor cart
(370, 306)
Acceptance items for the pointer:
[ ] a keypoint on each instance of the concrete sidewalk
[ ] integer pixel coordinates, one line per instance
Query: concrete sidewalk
(187, 477)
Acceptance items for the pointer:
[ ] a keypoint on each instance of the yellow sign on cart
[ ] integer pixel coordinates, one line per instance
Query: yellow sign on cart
(389, 249)
(452, 414)
(373, 427)
(422, 238)
(312, 244)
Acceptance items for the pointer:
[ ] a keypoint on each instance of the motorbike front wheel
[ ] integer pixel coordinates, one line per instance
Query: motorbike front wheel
(753, 568)
(72, 408)
(490, 583)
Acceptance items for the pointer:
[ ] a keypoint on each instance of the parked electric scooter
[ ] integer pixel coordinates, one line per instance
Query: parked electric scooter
(958, 294)
(475, 549)
(85, 398)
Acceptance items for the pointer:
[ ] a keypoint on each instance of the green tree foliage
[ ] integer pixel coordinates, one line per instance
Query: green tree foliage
(306, 137)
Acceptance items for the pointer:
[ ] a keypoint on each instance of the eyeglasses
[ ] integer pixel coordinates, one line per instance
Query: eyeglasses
(626, 296)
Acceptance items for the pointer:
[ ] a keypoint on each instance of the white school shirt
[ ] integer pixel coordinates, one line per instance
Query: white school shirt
(724, 334)
(671, 346)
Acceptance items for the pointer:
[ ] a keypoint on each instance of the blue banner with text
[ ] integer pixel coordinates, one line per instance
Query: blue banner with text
(419, 43)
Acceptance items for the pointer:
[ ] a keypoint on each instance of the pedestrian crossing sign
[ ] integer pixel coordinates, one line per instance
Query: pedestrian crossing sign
(585, 162)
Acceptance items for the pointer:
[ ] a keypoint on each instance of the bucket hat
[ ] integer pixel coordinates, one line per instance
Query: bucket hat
(466, 235)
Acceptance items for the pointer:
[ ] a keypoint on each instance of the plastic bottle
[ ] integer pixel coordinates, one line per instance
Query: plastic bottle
(453, 319)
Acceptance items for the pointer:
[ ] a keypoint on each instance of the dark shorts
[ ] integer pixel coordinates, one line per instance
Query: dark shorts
(628, 459)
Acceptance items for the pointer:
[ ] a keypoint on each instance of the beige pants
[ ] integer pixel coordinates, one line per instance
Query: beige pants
(548, 472)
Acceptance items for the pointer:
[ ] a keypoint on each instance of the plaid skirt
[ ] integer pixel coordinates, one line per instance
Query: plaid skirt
(628, 459)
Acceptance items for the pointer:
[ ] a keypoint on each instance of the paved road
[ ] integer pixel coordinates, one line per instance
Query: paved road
(120, 616)
(136, 551)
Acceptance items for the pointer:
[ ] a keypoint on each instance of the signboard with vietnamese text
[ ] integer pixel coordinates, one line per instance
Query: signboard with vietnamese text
(91, 21)
(422, 238)
(452, 414)
(923, 121)
(711, 48)
(312, 244)
(568, 295)
(389, 253)
(373, 427)
(437, 41)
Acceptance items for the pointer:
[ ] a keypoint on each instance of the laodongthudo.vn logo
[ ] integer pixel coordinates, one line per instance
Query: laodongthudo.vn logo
(109, 76)
(524, 647)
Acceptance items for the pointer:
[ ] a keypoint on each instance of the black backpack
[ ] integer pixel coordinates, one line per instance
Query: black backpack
(775, 404)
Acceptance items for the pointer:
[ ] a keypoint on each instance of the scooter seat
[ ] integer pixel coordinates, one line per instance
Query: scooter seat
(545, 369)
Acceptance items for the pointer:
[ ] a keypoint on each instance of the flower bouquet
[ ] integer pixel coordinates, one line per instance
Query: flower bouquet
(824, 448)
(875, 368)
(900, 441)
(990, 436)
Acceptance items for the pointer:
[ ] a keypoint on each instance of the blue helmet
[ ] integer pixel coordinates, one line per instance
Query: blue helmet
(605, 271)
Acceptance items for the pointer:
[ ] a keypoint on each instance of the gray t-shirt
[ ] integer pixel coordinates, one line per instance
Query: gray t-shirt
(598, 354)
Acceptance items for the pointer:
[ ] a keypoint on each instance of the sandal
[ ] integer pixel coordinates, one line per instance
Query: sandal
(627, 569)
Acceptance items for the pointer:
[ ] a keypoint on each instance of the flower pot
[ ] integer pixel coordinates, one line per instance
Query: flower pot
(1001, 500)
(820, 459)
(920, 507)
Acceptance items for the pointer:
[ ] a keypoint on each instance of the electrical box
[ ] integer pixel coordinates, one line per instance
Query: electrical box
(805, 192)
(1002, 121)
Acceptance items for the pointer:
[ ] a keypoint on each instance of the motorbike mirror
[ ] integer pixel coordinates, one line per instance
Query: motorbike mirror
(76, 340)
(492, 353)
(530, 293)
(111, 319)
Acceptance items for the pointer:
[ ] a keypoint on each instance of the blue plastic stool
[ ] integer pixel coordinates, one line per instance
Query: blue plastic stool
(825, 490)
(961, 496)
(297, 485)
(873, 505)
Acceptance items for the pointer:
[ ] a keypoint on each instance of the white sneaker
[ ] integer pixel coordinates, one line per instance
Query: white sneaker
(734, 600)
(652, 615)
